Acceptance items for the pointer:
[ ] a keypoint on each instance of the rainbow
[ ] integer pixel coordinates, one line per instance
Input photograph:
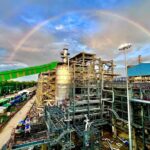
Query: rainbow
(97, 12)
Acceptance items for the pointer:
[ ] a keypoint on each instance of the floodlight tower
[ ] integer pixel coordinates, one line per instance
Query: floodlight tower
(124, 47)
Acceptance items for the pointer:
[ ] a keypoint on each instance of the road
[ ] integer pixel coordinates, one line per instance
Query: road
(7, 130)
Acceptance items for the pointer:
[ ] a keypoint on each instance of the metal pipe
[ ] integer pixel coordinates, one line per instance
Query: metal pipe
(88, 90)
(110, 146)
(123, 48)
(143, 128)
(117, 116)
(111, 91)
(113, 98)
(128, 104)
(140, 101)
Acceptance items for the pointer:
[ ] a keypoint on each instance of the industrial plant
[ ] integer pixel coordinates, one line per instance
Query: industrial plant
(77, 103)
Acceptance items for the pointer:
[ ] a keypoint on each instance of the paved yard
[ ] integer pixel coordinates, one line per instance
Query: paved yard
(6, 132)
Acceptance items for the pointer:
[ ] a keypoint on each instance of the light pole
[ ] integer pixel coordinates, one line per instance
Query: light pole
(123, 48)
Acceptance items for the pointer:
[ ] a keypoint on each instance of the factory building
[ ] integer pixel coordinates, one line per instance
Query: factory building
(80, 105)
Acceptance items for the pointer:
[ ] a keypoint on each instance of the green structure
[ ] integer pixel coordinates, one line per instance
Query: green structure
(12, 74)
(9, 87)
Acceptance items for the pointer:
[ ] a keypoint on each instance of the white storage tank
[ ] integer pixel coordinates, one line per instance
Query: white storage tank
(63, 80)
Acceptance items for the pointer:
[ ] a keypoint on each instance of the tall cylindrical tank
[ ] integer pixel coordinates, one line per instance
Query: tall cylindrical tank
(63, 79)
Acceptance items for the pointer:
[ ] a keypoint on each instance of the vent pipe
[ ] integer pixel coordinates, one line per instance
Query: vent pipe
(139, 59)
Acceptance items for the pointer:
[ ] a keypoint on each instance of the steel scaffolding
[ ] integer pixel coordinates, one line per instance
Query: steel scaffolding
(46, 89)
(86, 98)
(95, 101)
(140, 114)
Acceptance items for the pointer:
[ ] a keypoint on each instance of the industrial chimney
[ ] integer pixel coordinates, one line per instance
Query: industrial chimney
(139, 59)
(64, 55)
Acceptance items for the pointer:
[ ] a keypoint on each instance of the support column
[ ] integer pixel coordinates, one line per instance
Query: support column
(114, 130)
(44, 147)
(134, 138)
(143, 128)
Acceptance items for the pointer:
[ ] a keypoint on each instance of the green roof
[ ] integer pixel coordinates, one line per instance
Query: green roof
(7, 105)
(4, 100)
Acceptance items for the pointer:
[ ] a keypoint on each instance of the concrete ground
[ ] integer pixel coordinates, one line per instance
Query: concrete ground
(7, 130)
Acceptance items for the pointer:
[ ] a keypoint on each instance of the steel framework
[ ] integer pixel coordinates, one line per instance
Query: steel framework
(95, 100)
(46, 89)
(86, 98)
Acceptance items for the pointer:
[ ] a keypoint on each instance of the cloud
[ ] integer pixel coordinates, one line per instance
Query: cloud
(3, 52)
(78, 26)
(11, 65)
(29, 20)
(114, 33)
(9, 37)
(4, 66)
(38, 43)
(27, 78)
(59, 27)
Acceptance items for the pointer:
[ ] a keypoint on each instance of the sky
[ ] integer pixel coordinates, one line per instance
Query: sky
(33, 32)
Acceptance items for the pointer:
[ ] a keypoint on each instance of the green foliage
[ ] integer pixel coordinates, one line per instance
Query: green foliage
(3, 118)
(10, 87)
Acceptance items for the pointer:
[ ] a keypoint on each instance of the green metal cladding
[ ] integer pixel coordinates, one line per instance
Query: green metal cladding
(12, 74)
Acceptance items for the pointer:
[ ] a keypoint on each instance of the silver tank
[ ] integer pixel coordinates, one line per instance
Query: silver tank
(63, 80)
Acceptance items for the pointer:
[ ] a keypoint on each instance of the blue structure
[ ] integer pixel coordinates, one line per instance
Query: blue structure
(142, 69)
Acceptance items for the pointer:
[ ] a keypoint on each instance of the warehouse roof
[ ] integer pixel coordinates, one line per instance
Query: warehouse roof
(142, 69)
